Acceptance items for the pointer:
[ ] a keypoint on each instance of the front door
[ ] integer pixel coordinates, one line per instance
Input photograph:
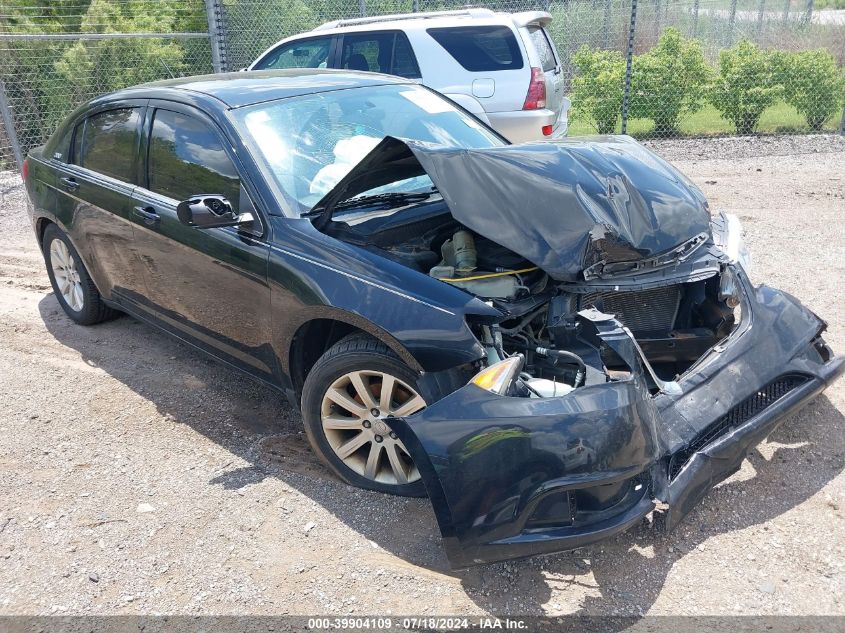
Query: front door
(208, 286)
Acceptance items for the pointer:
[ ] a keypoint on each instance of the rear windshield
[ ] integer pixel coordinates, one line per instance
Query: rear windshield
(543, 47)
(480, 48)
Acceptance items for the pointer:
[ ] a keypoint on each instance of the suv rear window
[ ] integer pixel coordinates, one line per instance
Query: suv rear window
(544, 49)
(480, 48)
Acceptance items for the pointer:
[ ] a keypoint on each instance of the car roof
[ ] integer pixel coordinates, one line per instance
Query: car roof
(237, 89)
(431, 19)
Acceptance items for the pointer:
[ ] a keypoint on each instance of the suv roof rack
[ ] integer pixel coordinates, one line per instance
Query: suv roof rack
(467, 12)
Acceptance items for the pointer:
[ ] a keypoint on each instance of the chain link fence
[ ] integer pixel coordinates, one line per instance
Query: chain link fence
(644, 67)
(57, 54)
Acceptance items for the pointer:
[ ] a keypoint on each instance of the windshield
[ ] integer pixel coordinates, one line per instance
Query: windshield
(310, 143)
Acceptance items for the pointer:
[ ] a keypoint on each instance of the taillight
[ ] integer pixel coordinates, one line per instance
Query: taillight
(536, 97)
(25, 169)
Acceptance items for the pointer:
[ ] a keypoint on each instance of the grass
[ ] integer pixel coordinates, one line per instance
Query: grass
(779, 118)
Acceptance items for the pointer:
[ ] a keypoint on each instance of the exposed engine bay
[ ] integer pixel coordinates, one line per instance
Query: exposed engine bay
(675, 324)
(542, 233)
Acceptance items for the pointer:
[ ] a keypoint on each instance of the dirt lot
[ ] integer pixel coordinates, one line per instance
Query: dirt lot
(138, 477)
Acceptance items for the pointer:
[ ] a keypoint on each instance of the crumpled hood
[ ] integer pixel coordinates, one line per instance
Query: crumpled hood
(566, 206)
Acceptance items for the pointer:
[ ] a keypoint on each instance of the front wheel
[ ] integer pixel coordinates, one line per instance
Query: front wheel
(347, 396)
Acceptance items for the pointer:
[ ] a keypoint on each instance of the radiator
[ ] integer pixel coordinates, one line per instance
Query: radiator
(641, 311)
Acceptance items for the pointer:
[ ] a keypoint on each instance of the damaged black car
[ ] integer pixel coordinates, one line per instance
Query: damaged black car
(550, 340)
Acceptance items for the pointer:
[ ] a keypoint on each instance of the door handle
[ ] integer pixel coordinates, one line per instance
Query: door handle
(148, 214)
(70, 183)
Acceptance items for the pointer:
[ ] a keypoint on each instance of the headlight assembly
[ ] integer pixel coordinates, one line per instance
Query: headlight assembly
(497, 378)
(732, 243)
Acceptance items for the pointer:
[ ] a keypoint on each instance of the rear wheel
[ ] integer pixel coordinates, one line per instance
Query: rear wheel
(73, 286)
(347, 397)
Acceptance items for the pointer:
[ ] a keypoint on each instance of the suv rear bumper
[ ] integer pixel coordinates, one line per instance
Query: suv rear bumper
(523, 126)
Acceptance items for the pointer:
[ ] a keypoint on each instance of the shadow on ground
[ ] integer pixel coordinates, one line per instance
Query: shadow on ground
(624, 575)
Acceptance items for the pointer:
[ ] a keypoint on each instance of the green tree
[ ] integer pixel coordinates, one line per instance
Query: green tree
(747, 84)
(812, 84)
(87, 68)
(597, 87)
(668, 81)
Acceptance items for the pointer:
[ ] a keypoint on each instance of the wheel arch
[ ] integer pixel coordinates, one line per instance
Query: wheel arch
(41, 225)
(313, 337)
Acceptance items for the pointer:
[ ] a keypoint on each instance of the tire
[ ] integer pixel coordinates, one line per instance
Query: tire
(333, 429)
(73, 286)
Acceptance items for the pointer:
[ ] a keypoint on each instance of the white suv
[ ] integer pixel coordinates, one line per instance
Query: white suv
(502, 67)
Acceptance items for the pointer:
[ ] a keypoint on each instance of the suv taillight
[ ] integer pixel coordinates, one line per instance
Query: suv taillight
(25, 169)
(536, 97)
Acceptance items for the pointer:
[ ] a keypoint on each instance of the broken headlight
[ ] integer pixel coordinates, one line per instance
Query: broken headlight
(730, 240)
(729, 288)
(499, 377)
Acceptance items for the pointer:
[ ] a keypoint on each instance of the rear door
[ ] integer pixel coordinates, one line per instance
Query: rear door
(96, 176)
(208, 286)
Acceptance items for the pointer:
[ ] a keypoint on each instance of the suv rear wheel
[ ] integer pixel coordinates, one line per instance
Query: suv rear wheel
(347, 397)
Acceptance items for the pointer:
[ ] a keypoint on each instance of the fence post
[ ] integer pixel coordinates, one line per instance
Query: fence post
(362, 8)
(808, 14)
(842, 122)
(606, 25)
(732, 23)
(695, 19)
(658, 14)
(416, 6)
(626, 94)
(786, 11)
(9, 124)
(216, 35)
(761, 9)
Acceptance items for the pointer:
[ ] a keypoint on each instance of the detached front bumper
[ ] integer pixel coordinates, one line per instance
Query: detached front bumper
(514, 477)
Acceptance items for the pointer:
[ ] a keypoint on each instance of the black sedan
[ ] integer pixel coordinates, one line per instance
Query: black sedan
(551, 340)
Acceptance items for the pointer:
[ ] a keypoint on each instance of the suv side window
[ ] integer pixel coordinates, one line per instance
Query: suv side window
(480, 48)
(387, 52)
(310, 53)
(110, 143)
(186, 158)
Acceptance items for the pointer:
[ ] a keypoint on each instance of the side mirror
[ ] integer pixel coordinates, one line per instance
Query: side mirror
(206, 211)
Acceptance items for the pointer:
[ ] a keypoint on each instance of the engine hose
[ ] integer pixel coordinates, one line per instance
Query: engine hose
(562, 356)
(487, 275)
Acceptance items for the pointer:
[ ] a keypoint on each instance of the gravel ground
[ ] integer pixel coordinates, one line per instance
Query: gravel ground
(138, 477)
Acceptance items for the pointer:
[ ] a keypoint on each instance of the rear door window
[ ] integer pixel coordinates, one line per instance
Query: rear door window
(387, 52)
(541, 43)
(59, 146)
(310, 53)
(110, 143)
(480, 48)
(186, 158)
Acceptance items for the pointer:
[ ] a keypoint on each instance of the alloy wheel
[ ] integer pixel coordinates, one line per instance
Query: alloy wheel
(353, 415)
(66, 274)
